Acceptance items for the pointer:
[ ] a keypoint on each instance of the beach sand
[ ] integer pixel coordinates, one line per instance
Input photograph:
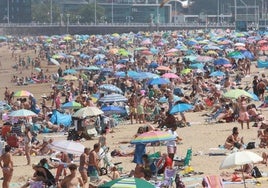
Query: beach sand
(200, 136)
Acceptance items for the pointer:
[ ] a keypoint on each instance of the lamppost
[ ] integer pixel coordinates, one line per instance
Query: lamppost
(218, 12)
(8, 12)
(95, 13)
(61, 18)
(51, 16)
(112, 11)
(68, 22)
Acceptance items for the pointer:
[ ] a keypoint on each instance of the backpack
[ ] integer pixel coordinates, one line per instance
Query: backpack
(178, 181)
(256, 172)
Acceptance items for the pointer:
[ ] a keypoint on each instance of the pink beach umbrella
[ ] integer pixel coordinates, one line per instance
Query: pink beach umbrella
(170, 75)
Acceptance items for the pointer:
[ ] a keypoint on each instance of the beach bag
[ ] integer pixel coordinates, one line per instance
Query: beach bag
(250, 145)
(256, 172)
(179, 182)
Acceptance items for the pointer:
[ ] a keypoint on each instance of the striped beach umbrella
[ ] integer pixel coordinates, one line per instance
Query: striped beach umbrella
(22, 93)
(71, 105)
(113, 98)
(110, 87)
(153, 136)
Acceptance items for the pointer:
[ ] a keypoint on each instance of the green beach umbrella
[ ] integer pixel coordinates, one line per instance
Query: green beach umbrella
(127, 183)
(186, 71)
(236, 93)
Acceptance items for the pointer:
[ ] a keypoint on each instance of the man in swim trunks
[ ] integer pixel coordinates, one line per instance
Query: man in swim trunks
(6, 163)
(93, 163)
(84, 164)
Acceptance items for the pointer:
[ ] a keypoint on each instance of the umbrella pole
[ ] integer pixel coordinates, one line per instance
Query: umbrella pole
(244, 181)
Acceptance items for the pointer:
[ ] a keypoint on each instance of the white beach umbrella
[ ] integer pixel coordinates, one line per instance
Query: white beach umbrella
(87, 111)
(240, 158)
(54, 61)
(67, 146)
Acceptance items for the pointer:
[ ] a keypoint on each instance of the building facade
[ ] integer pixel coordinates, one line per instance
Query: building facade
(15, 11)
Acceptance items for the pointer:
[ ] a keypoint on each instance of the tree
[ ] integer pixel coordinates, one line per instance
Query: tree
(41, 11)
(87, 13)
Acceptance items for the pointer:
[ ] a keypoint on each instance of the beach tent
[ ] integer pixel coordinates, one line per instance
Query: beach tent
(60, 118)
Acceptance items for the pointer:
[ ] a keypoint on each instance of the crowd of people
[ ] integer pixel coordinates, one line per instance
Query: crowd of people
(92, 63)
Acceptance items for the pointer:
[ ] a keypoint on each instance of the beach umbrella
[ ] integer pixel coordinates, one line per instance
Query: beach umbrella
(221, 61)
(54, 61)
(22, 113)
(217, 73)
(163, 68)
(170, 75)
(22, 93)
(70, 71)
(204, 59)
(196, 66)
(38, 69)
(113, 98)
(101, 62)
(236, 55)
(153, 65)
(114, 109)
(67, 146)
(236, 93)
(159, 81)
(130, 74)
(146, 75)
(69, 77)
(87, 112)
(99, 56)
(248, 55)
(71, 105)
(240, 158)
(164, 99)
(153, 136)
(181, 107)
(186, 71)
(254, 96)
(127, 183)
(110, 87)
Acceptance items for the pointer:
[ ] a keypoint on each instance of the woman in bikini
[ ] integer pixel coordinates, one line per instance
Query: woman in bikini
(233, 141)
(6, 163)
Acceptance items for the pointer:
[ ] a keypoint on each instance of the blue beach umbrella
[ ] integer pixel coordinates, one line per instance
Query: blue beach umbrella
(101, 62)
(254, 96)
(113, 109)
(153, 65)
(217, 73)
(110, 88)
(248, 55)
(159, 81)
(70, 71)
(221, 61)
(181, 107)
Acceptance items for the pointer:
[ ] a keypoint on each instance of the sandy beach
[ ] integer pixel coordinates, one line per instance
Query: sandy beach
(200, 136)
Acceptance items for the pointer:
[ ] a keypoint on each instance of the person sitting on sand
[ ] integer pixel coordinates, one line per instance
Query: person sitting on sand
(233, 141)
(263, 136)
(227, 113)
(72, 180)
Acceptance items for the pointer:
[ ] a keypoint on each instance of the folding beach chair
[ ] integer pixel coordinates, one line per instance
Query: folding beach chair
(169, 177)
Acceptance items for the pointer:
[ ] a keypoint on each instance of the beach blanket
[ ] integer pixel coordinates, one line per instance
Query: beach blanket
(262, 64)
(212, 181)
(60, 118)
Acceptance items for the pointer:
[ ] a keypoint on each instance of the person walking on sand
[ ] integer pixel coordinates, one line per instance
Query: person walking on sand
(243, 114)
(84, 165)
(133, 102)
(6, 163)
(27, 144)
(72, 180)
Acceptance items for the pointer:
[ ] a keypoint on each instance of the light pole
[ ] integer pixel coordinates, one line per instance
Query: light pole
(61, 22)
(78, 17)
(68, 21)
(218, 12)
(112, 11)
(95, 13)
(8, 12)
(51, 16)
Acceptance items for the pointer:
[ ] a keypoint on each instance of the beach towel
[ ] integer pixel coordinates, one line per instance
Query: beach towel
(212, 181)
(262, 64)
